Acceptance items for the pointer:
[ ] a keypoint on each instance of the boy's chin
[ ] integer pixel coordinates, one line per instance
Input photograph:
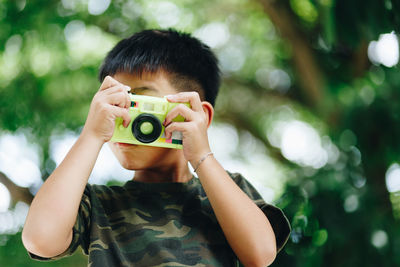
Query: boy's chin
(132, 167)
(137, 157)
(135, 164)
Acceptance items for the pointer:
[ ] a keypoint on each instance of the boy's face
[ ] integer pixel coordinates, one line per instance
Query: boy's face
(138, 157)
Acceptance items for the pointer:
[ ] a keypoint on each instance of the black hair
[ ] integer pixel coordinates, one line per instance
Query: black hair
(189, 64)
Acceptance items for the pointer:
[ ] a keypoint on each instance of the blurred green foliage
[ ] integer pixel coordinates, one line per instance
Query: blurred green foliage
(14, 254)
(50, 52)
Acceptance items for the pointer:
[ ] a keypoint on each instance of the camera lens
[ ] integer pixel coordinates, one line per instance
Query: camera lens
(146, 128)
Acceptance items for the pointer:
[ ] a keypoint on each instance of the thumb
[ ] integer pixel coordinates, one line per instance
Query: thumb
(123, 113)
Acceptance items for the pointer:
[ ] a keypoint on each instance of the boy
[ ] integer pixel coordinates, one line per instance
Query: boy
(164, 216)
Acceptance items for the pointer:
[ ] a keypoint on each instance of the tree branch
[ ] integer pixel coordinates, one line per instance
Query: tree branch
(17, 193)
(309, 74)
(243, 103)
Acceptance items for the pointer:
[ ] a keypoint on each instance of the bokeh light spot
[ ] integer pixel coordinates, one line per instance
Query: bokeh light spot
(5, 198)
(214, 34)
(97, 7)
(379, 238)
(301, 143)
(351, 203)
(166, 14)
(19, 160)
(385, 51)
(393, 178)
(320, 237)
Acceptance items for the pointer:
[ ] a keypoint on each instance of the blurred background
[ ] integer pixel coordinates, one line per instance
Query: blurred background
(308, 111)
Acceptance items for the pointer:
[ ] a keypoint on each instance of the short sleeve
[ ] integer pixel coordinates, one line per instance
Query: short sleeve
(80, 236)
(276, 217)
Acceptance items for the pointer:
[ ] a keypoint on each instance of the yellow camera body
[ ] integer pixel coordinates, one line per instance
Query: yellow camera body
(146, 128)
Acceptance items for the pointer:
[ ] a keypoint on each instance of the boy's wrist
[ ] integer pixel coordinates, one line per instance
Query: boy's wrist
(91, 139)
(196, 163)
(209, 154)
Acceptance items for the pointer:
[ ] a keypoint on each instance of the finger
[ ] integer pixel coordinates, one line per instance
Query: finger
(122, 113)
(175, 126)
(182, 110)
(118, 89)
(117, 99)
(110, 82)
(127, 101)
(192, 97)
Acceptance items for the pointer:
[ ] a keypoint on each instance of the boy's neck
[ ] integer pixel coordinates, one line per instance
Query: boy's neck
(177, 171)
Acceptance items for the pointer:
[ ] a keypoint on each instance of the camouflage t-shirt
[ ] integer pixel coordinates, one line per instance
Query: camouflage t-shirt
(158, 224)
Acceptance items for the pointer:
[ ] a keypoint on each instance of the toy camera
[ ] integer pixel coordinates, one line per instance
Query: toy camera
(145, 128)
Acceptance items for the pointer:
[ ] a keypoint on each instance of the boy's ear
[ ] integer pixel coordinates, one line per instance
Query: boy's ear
(209, 111)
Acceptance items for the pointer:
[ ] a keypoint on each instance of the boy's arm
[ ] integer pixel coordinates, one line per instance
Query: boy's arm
(53, 211)
(245, 226)
(52, 214)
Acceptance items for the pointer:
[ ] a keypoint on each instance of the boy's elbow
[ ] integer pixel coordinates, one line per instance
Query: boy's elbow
(262, 257)
(30, 243)
(261, 261)
(267, 260)
(34, 244)
(269, 255)
(42, 246)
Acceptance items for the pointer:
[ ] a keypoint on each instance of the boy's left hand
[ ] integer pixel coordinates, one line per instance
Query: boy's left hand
(194, 128)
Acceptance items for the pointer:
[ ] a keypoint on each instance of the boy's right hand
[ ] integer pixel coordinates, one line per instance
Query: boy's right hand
(111, 101)
(53, 212)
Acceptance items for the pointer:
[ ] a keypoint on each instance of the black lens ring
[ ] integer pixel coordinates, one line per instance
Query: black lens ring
(146, 138)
